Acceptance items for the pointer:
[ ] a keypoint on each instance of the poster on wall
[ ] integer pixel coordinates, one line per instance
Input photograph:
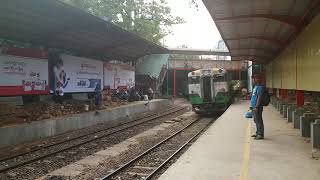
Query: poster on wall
(118, 75)
(75, 74)
(22, 75)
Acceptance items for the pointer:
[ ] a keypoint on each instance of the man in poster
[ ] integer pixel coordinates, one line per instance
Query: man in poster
(59, 81)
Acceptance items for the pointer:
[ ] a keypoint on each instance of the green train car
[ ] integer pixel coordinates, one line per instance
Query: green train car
(209, 90)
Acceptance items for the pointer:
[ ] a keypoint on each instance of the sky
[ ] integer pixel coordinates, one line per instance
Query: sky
(199, 31)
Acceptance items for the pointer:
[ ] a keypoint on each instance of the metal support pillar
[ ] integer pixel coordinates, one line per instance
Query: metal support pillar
(281, 107)
(285, 110)
(278, 105)
(305, 123)
(315, 134)
(296, 117)
(168, 79)
(290, 111)
(174, 83)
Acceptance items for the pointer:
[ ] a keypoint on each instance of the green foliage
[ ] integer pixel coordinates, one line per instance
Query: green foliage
(150, 19)
(194, 4)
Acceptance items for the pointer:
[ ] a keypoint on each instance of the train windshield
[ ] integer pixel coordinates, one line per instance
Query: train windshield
(194, 80)
(219, 79)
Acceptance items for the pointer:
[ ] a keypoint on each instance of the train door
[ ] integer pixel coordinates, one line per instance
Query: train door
(213, 90)
(206, 89)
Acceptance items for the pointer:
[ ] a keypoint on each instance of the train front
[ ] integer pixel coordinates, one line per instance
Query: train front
(209, 90)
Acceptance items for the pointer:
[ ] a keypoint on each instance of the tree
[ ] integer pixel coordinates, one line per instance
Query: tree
(150, 19)
(194, 4)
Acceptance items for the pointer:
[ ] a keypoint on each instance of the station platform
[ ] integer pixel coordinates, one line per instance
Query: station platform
(226, 151)
(37, 130)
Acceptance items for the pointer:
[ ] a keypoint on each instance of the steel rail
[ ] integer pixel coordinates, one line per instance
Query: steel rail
(179, 150)
(19, 164)
(115, 172)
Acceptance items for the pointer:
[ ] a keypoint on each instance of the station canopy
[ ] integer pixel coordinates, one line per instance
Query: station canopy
(258, 30)
(54, 24)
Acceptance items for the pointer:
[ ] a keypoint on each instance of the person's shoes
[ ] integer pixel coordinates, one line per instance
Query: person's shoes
(254, 135)
(259, 137)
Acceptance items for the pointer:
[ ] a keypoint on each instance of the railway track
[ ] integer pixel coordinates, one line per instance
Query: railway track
(147, 164)
(66, 137)
(24, 158)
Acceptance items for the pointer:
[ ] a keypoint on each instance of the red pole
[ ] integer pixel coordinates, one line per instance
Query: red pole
(283, 93)
(299, 98)
(174, 83)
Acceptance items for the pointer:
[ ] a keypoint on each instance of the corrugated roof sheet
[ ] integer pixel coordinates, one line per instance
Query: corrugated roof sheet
(152, 65)
(57, 25)
(258, 30)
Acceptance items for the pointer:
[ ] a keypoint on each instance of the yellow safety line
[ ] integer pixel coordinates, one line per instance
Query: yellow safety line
(246, 154)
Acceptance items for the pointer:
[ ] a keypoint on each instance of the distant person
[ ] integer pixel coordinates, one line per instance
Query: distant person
(125, 95)
(257, 107)
(58, 95)
(97, 95)
(132, 94)
(119, 93)
(141, 95)
(137, 95)
(150, 94)
(107, 95)
(244, 93)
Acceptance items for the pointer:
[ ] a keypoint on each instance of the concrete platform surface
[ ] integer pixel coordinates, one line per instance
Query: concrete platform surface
(227, 152)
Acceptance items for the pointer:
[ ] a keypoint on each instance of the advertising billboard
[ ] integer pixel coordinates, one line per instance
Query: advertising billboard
(118, 75)
(22, 75)
(75, 74)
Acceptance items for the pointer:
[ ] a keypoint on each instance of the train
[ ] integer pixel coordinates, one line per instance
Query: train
(210, 90)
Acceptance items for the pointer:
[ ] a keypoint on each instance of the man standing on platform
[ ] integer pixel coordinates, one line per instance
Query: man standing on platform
(97, 95)
(257, 107)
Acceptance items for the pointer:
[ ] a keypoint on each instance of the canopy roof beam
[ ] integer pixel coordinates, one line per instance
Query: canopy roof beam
(277, 41)
(289, 20)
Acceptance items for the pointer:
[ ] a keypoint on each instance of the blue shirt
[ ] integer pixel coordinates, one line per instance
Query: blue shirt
(257, 91)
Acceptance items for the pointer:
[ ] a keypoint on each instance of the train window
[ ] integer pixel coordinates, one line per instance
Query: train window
(194, 80)
(219, 79)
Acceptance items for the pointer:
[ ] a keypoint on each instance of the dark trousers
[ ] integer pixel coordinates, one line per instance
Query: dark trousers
(97, 100)
(257, 115)
(57, 98)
